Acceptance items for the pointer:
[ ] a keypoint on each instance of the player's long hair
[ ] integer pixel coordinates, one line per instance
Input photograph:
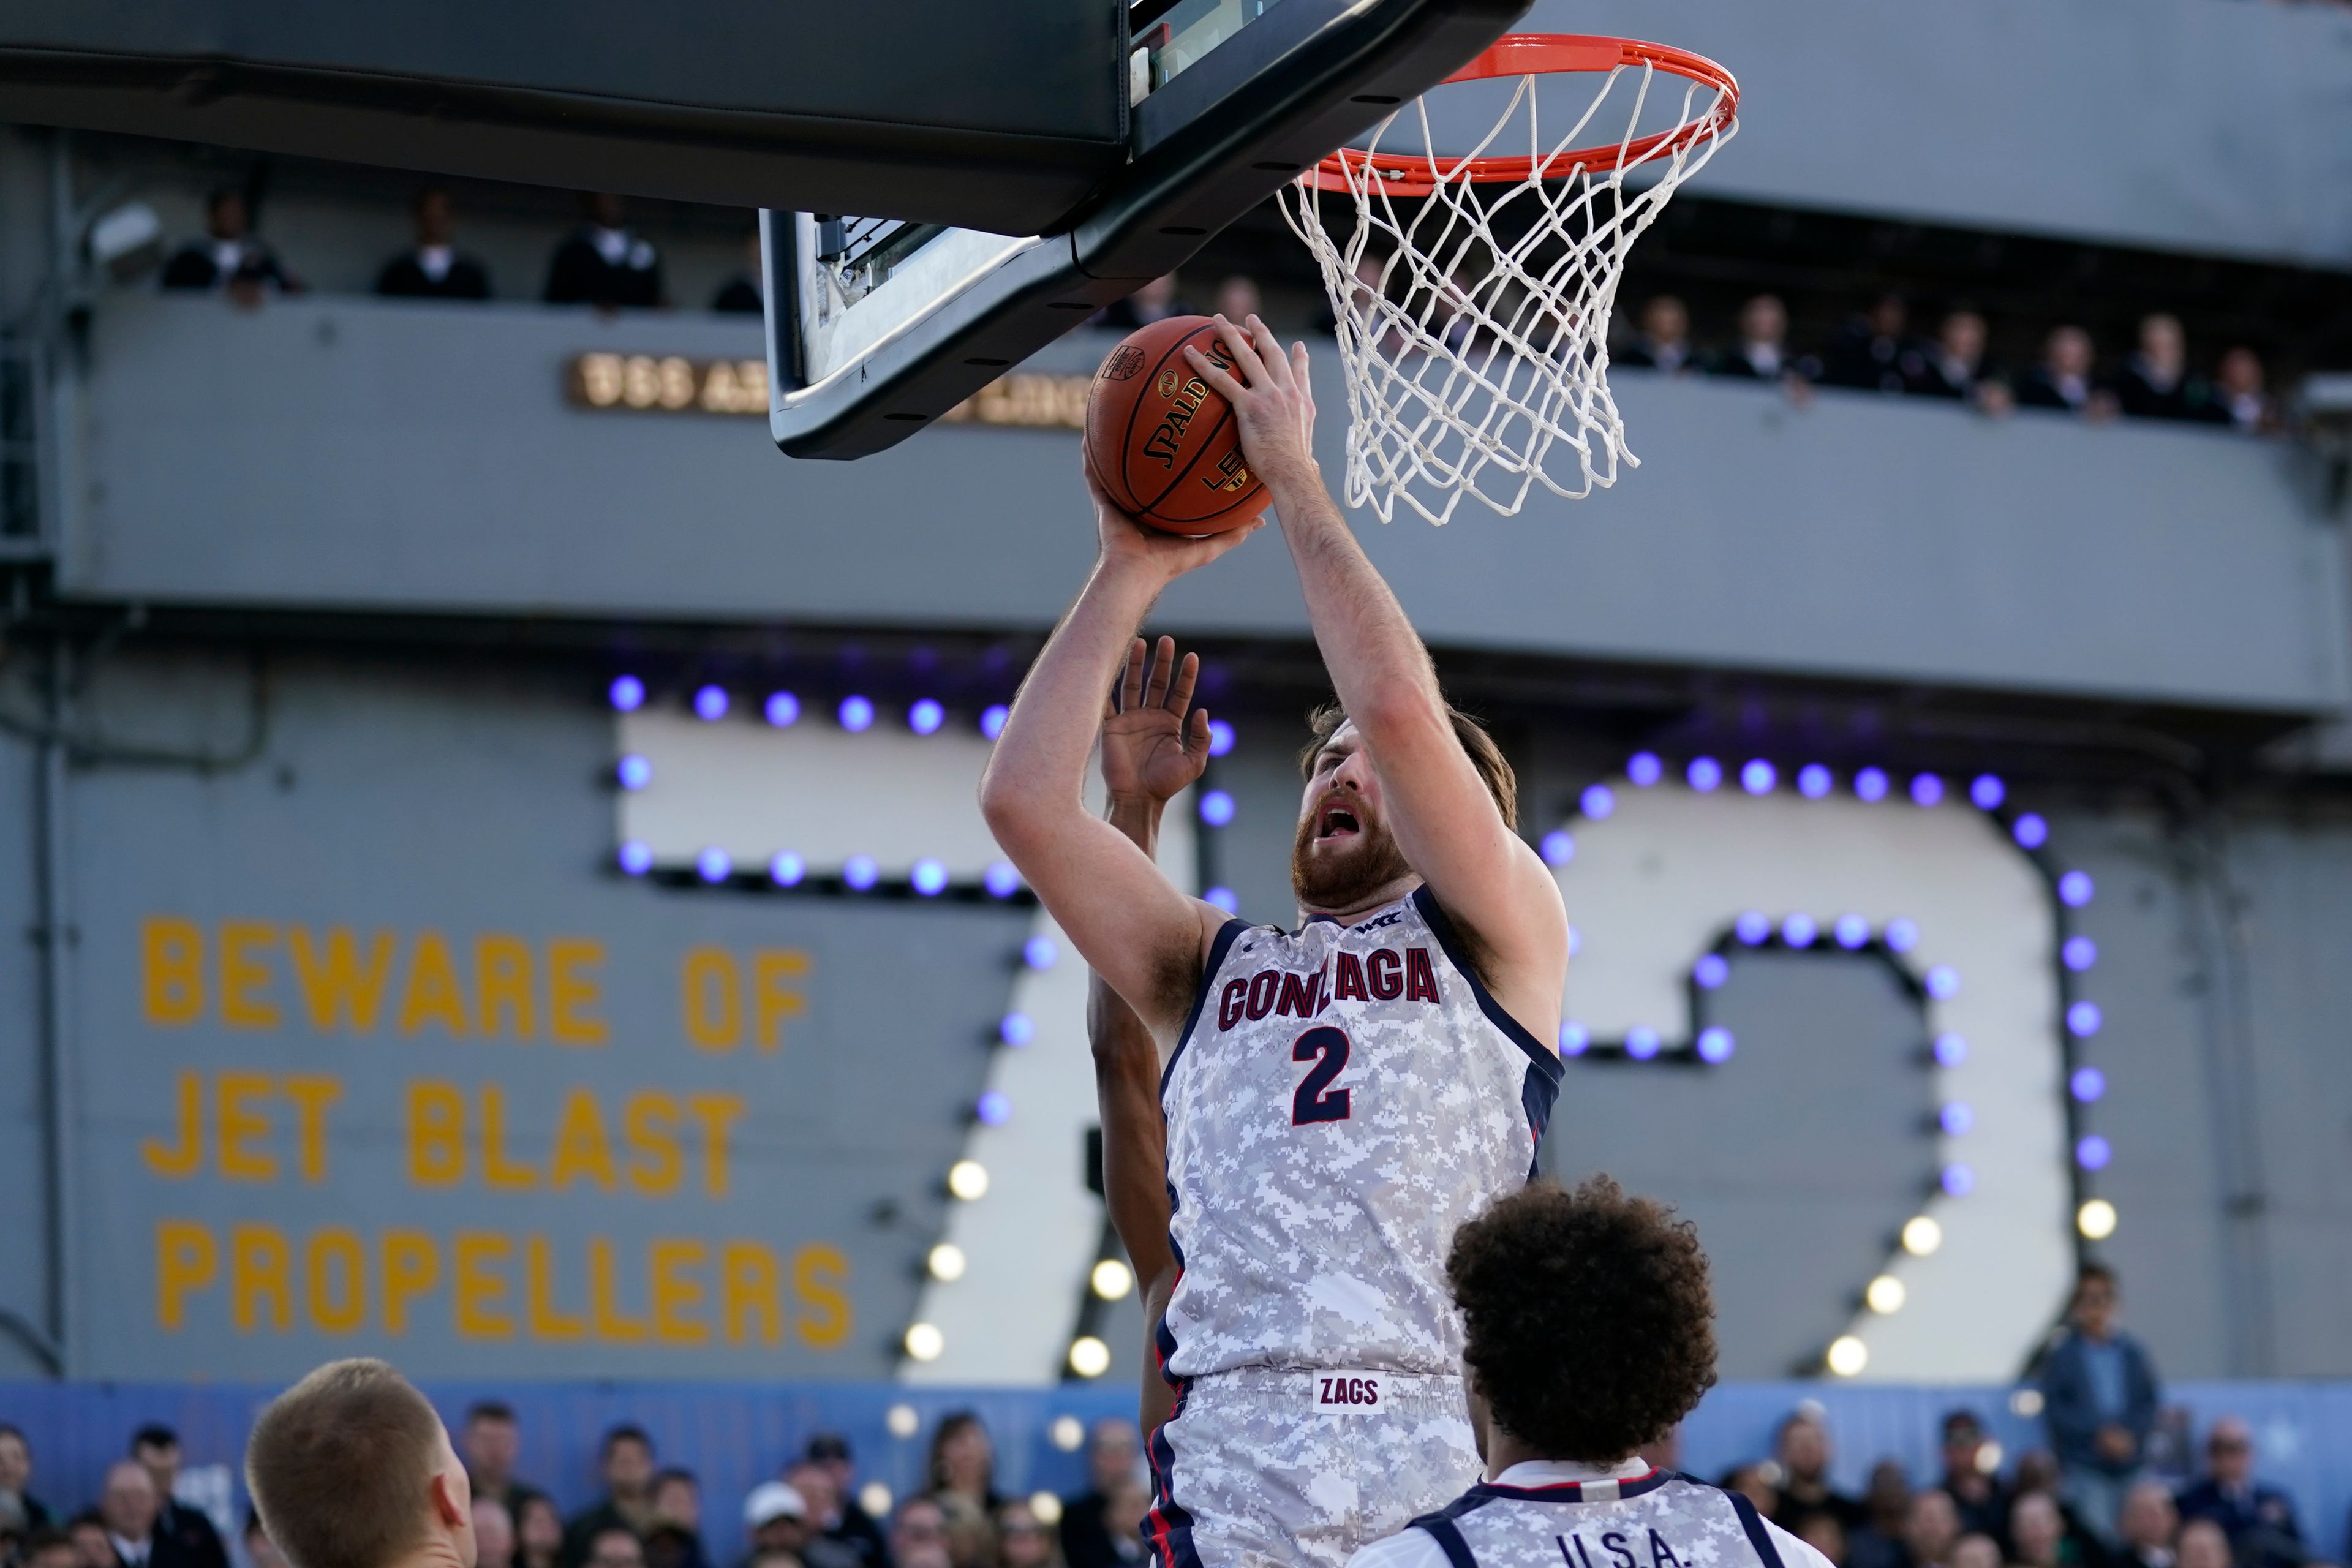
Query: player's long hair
(1484, 755)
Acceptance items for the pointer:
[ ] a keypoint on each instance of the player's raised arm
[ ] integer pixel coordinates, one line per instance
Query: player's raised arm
(1130, 923)
(1444, 821)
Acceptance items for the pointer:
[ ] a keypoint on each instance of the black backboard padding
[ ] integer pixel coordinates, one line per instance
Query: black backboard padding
(995, 117)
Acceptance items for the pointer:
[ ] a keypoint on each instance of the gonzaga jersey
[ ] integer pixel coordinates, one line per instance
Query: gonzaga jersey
(1342, 1098)
(1531, 1517)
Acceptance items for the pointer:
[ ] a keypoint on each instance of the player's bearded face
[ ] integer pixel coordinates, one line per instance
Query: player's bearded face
(1343, 857)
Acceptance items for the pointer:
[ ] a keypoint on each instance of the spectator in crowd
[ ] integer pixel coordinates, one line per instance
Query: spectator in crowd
(2259, 1520)
(538, 1532)
(1976, 1550)
(1975, 1487)
(1154, 301)
(17, 1479)
(1760, 1484)
(1887, 1501)
(776, 1517)
(494, 1533)
(2062, 379)
(857, 1527)
(2156, 383)
(1663, 342)
(919, 1536)
(45, 1548)
(2145, 1524)
(2239, 400)
(93, 1543)
(605, 264)
(1821, 1530)
(127, 1505)
(627, 1462)
(962, 1465)
(1023, 1542)
(1871, 354)
(491, 1441)
(433, 269)
(2203, 1544)
(674, 1538)
(1123, 1514)
(614, 1546)
(742, 295)
(1239, 299)
(2037, 1471)
(1114, 1450)
(2037, 1534)
(828, 1546)
(1761, 353)
(229, 259)
(1930, 1530)
(1803, 1451)
(2099, 1397)
(1954, 366)
(185, 1537)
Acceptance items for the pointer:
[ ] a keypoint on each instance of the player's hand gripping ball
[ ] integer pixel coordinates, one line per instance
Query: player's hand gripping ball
(1162, 442)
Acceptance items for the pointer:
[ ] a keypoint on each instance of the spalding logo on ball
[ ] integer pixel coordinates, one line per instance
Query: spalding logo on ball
(1162, 441)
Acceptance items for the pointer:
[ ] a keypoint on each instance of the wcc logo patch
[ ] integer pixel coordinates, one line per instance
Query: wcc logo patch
(1124, 363)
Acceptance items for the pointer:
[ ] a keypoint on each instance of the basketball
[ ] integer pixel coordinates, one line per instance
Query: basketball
(1162, 441)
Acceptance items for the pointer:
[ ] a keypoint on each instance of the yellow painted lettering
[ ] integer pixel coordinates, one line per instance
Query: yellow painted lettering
(573, 994)
(582, 1149)
(603, 1301)
(818, 1271)
(498, 1172)
(539, 1276)
(502, 987)
(411, 1266)
(243, 976)
(773, 999)
(338, 1275)
(436, 1133)
(676, 1293)
(748, 1289)
(180, 1162)
(337, 987)
(258, 1262)
(187, 1260)
(312, 1094)
(477, 1291)
(239, 1161)
(717, 1113)
(650, 1123)
(713, 993)
(432, 995)
(172, 969)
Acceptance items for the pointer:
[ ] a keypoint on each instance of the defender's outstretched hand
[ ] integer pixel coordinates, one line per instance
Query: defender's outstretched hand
(1276, 409)
(1130, 545)
(1151, 751)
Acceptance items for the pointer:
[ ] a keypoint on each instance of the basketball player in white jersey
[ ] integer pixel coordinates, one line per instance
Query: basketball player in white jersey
(1588, 1333)
(1340, 1097)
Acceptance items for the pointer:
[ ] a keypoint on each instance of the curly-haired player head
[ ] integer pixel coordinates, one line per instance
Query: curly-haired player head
(1588, 1331)
(1590, 1326)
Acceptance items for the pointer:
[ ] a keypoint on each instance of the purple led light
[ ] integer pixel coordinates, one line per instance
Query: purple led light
(1758, 777)
(860, 872)
(1902, 935)
(1039, 953)
(1752, 928)
(1870, 784)
(2094, 1153)
(1216, 808)
(783, 709)
(929, 877)
(786, 869)
(1852, 931)
(2082, 1020)
(1711, 971)
(1223, 898)
(1986, 792)
(1220, 737)
(627, 693)
(1951, 1050)
(2030, 831)
(1798, 931)
(1000, 880)
(1016, 1029)
(855, 713)
(711, 704)
(1715, 1044)
(2087, 1085)
(2075, 890)
(1597, 801)
(1943, 982)
(2079, 953)
(1574, 1038)
(992, 717)
(634, 772)
(1955, 1119)
(1641, 1042)
(636, 857)
(1958, 1181)
(1927, 789)
(926, 717)
(1645, 768)
(1559, 846)
(713, 865)
(994, 1108)
(1813, 780)
(1704, 774)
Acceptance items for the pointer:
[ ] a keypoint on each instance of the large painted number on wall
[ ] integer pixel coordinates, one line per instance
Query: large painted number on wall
(1316, 1099)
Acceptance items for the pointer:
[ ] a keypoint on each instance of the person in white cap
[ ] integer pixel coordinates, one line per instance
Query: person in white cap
(776, 1515)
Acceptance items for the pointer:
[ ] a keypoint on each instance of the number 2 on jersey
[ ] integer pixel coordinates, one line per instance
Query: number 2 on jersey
(1317, 1100)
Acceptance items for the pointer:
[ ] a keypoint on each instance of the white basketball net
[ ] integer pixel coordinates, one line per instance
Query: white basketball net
(1474, 321)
